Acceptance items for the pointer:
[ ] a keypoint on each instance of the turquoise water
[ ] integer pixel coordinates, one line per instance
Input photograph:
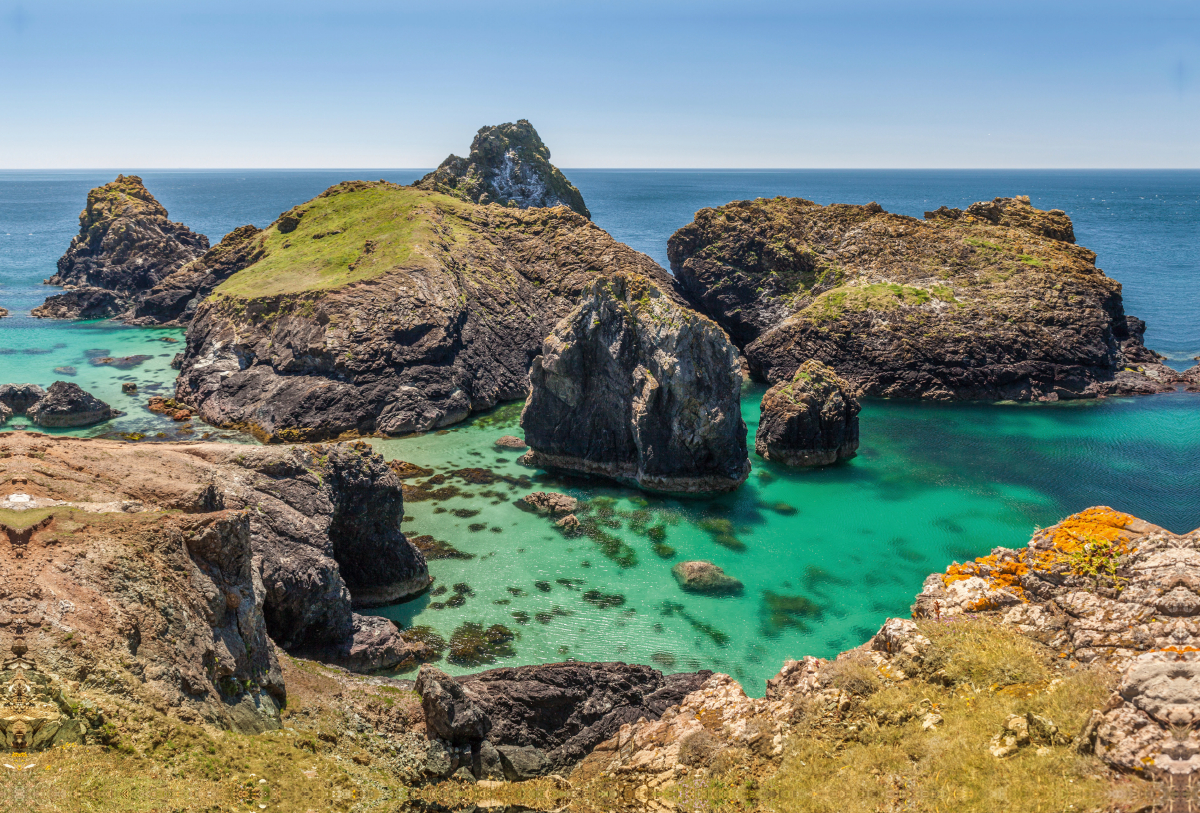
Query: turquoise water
(825, 555)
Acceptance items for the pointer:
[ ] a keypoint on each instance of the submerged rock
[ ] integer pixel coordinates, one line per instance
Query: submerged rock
(509, 165)
(705, 577)
(811, 420)
(634, 387)
(993, 303)
(125, 246)
(334, 329)
(544, 502)
(66, 404)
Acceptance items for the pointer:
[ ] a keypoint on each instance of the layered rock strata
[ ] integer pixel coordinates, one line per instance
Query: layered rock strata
(510, 165)
(322, 522)
(634, 387)
(380, 308)
(993, 303)
(125, 245)
(810, 420)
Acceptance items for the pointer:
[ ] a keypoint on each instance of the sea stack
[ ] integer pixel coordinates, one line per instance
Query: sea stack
(509, 165)
(995, 302)
(811, 420)
(125, 245)
(632, 386)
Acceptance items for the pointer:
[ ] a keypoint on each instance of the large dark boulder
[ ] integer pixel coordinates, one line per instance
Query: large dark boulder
(20, 397)
(81, 303)
(632, 386)
(510, 165)
(996, 302)
(66, 404)
(548, 717)
(811, 420)
(125, 245)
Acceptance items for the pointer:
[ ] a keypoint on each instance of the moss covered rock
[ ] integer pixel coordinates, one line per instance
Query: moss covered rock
(811, 420)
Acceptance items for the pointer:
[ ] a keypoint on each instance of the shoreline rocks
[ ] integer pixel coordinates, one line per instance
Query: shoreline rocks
(994, 303)
(408, 334)
(66, 404)
(125, 245)
(811, 420)
(509, 165)
(633, 387)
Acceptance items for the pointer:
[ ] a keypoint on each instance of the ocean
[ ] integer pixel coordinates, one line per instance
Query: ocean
(825, 555)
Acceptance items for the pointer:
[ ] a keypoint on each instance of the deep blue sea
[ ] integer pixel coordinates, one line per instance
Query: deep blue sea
(932, 483)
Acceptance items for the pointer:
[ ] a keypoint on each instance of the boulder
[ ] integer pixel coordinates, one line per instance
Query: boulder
(810, 420)
(451, 712)
(66, 404)
(510, 165)
(125, 245)
(544, 502)
(993, 303)
(511, 442)
(634, 387)
(705, 577)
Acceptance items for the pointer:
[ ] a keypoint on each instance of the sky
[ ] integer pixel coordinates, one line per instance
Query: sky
(655, 83)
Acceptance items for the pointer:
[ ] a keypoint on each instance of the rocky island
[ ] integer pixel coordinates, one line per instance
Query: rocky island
(125, 245)
(382, 308)
(510, 165)
(811, 420)
(634, 387)
(995, 302)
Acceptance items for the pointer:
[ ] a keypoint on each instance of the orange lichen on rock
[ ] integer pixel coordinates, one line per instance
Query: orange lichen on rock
(1000, 573)
(1070, 535)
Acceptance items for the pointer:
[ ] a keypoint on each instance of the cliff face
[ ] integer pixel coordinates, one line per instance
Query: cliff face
(509, 165)
(993, 303)
(322, 524)
(125, 245)
(174, 299)
(632, 386)
(380, 308)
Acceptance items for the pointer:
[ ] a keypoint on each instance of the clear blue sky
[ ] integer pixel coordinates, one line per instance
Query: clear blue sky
(378, 83)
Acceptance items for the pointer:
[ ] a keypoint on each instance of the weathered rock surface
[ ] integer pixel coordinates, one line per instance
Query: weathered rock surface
(380, 308)
(66, 404)
(543, 718)
(20, 397)
(323, 524)
(125, 245)
(510, 442)
(82, 303)
(548, 502)
(810, 420)
(509, 165)
(993, 303)
(128, 599)
(705, 577)
(174, 299)
(632, 386)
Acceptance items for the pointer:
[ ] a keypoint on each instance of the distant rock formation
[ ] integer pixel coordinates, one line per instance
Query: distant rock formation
(125, 246)
(811, 420)
(3, 312)
(996, 302)
(508, 165)
(335, 328)
(634, 387)
(66, 405)
(174, 299)
(82, 303)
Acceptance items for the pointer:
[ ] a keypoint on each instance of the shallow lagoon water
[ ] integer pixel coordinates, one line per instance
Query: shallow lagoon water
(838, 549)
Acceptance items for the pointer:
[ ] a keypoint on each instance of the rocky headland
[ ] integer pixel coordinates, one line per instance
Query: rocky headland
(810, 420)
(997, 302)
(509, 165)
(125, 245)
(377, 308)
(634, 387)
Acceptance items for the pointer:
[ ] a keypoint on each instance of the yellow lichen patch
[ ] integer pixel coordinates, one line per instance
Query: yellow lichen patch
(1000, 574)
(1070, 535)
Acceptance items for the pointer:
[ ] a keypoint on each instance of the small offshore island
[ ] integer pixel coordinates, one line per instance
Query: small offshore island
(187, 603)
